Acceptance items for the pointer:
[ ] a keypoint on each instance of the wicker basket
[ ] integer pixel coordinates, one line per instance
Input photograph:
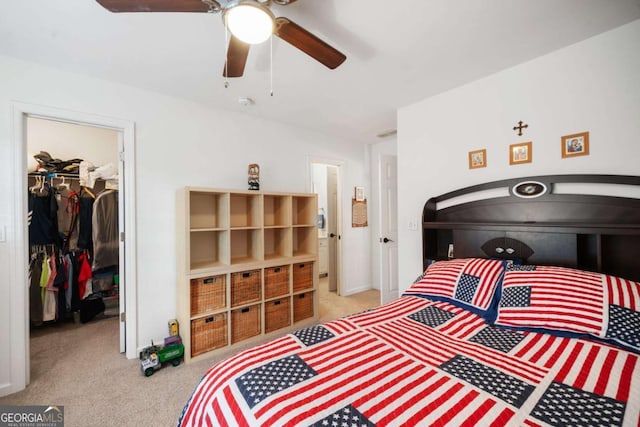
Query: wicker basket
(302, 276)
(302, 306)
(276, 281)
(245, 287)
(208, 294)
(245, 323)
(277, 314)
(208, 333)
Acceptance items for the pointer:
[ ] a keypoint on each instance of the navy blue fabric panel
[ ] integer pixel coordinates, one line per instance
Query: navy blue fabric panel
(273, 377)
(501, 385)
(563, 405)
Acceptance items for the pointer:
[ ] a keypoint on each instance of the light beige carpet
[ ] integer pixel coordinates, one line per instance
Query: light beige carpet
(78, 366)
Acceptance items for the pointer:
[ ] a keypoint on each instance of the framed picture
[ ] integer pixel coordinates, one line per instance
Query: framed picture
(575, 145)
(520, 153)
(477, 159)
(359, 194)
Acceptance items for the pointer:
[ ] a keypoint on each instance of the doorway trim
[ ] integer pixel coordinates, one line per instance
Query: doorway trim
(339, 164)
(19, 316)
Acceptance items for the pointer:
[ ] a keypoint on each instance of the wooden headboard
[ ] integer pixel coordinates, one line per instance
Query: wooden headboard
(590, 222)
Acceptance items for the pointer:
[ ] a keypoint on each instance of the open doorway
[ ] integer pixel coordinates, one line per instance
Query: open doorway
(73, 198)
(325, 183)
(325, 179)
(20, 361)
(334, 302)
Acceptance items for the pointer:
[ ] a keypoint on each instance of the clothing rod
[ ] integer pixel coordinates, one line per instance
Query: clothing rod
(56, 175)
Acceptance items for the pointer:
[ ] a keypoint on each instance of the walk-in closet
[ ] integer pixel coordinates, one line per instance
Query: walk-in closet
(73, 196)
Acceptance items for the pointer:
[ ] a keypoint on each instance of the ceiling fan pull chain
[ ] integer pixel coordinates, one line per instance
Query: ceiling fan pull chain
(271, 60)
(226, 56)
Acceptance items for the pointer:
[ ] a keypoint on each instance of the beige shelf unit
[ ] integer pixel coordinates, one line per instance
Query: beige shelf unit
(247, 266)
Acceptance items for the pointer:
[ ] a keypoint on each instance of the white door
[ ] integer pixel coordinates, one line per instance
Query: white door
(333, 225)
(388, 229)
(121, 245)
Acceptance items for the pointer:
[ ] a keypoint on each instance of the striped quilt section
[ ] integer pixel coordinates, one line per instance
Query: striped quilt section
(553, 298)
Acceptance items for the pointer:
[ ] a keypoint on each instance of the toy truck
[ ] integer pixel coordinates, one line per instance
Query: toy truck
(152, 357)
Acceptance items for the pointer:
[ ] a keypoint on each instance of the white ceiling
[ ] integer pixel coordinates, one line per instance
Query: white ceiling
(397, 52)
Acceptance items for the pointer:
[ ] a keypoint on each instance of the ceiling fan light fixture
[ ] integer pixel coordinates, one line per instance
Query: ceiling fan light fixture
(249, 21)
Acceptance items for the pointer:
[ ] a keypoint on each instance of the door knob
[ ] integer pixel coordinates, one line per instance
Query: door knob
(332, 235)
(385, 240)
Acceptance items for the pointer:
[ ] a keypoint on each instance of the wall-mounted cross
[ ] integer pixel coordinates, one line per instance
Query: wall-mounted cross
(520, 127)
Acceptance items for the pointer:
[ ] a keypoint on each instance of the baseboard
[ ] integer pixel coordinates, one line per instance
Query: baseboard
(357, 290)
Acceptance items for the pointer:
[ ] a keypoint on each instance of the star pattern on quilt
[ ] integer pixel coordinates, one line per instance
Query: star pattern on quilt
(345, 417)
(516, 296)
(466, 288)
(313, 335)
(517, 267)
(563, 405)
(431, 316)
(266, 380)
(624, 325)
(499, 339)
(501, 385)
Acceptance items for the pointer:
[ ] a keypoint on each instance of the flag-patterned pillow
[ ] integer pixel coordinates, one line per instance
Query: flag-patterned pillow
(571, 302)
(469, 283)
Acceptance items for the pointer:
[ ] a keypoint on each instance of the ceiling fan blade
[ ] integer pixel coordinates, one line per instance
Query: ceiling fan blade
(155, 5)
(237, 53)
(298, 37)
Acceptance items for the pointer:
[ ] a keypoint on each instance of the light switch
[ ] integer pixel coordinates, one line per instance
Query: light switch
(413, 224)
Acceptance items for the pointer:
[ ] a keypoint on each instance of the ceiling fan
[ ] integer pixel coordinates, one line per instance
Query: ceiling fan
(248, 21)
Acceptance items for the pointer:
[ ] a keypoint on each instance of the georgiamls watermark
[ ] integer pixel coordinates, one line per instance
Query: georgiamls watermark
(32, 416)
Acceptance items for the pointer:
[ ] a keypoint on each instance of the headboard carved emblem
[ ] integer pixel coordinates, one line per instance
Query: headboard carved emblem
(506, 248)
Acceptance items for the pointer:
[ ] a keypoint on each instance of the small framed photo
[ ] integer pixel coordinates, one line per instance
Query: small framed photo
(477, 159)
(359, 194)
(520, 153)
(575, 145)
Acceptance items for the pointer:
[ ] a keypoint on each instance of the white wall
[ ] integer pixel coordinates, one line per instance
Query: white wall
(388, 147)
(178, 143)
(591, 86)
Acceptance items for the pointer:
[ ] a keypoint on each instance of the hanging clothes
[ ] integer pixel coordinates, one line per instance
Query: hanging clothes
(105, 230)
(74, 283)
(68, 224)
(49, 301)
(70, 283)
(84, 277)
(85, 216)
(35, 298)
(43, 217)
(59, 286)
(62, 225)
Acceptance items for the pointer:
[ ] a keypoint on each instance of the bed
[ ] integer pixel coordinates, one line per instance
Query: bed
(527, 313)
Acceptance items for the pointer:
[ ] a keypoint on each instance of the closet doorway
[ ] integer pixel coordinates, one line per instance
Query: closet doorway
(74, 199)
(124, 306)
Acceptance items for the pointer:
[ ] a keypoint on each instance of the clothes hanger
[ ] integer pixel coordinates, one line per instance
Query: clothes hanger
(64, 185)
(43, 181)
(34, 187)
(89, 192)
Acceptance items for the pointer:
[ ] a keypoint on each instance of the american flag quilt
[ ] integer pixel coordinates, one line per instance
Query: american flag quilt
(419, 362)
